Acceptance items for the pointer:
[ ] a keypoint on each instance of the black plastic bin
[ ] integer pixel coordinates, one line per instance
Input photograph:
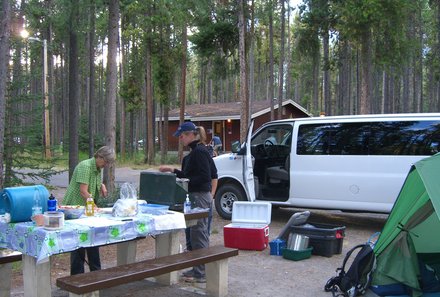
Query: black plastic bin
(325, 239)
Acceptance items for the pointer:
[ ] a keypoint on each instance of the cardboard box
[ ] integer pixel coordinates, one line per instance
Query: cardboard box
(249, 229)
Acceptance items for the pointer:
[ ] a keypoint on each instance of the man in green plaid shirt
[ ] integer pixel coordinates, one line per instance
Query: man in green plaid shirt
(87, 182)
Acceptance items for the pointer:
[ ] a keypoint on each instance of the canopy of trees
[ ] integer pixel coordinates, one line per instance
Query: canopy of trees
(114, 67)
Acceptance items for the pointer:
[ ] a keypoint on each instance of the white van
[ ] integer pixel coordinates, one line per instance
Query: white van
(351, 163)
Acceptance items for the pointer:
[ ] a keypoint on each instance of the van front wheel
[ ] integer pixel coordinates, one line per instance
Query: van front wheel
(225, 197)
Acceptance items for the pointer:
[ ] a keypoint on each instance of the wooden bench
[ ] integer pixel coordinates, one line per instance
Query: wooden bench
(192, 218)
(215, 258)
(7, 257)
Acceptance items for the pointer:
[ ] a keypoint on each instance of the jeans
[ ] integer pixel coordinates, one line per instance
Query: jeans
(199, 234)
(188, 231)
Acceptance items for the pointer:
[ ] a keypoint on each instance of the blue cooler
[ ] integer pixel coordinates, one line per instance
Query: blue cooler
(18, 201)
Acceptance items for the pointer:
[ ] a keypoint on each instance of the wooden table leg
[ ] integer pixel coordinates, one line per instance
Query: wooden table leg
(36, 277)
(167, 244)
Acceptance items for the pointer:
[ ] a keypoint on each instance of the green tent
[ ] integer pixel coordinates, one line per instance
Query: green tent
(411, 231)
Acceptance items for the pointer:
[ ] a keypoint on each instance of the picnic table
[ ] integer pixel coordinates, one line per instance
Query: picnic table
(38, 245)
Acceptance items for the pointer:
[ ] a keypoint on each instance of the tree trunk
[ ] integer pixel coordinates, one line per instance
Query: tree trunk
(406, 94)
(326, 74)
(202, 85)
(366, 57)
(289, 57)
(111, 89)
(149, 135)
(281, 62)
(244, 113)
(165, 128)
(5, 33)
(344, 96)
(123, 65)
(73, 90)
(92, 96)
(251, 73)
(418, 63)
(384, 91)
(271, 62)
(315, 92)
(183, 85)
(251, 60)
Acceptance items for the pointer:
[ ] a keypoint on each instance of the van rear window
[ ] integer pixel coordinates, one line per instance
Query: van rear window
(370, 138)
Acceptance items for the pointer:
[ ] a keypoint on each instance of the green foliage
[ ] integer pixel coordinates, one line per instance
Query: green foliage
(432, 46)
(213, 36)
(308, 41)
(216, 38)
(164, 67)
(384, 20)
(130, 91)
(83, 142)
(24, 161)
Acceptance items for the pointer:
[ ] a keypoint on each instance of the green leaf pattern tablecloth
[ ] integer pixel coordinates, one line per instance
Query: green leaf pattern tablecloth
(40, 243)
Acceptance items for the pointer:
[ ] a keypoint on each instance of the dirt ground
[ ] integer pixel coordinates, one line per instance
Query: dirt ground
(252, 273)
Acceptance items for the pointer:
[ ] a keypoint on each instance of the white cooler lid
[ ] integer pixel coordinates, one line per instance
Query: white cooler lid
(251, 212)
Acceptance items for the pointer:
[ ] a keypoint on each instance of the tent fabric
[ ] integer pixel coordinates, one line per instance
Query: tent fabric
(397, 264)
(410, 226)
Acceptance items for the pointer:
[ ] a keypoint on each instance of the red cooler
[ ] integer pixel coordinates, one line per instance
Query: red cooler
(249, 229)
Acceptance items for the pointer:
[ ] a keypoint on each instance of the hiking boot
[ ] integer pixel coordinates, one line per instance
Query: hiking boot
(193, 279)
(188, 273)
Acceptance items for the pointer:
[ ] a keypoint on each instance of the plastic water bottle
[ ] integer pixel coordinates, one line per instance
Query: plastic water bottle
(90, 207)
(51, 203)
(37, 208)
(187, 205)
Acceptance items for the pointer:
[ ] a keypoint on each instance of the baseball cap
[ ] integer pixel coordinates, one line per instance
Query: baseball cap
(185, 127)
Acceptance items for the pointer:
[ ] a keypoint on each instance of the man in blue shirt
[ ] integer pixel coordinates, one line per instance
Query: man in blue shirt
(216, 144)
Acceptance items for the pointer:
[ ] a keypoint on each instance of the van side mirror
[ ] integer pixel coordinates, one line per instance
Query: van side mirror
(235, 146)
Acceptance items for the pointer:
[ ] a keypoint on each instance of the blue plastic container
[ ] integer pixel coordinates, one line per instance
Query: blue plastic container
(276, 247)
(18, 201)
(154, 209)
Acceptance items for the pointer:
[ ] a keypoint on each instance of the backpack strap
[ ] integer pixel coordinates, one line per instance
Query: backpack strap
(347, 256)
(334, 282)
(332, 285)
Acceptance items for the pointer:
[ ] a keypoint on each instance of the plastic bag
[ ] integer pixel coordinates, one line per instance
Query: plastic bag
(127, 204)
(128, 191)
